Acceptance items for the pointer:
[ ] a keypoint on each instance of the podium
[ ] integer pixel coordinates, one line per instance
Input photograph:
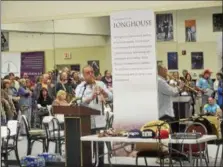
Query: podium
(77, 123)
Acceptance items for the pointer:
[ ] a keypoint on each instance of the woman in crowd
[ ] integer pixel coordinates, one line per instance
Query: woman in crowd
(44, 99)
(25, 102)
(7, 100)
(44, 106)
(175, 79)
(65, 85)
(99, 77)
(107, 79)
(8, 86)
(61, 99)
(76, 78)
(29, 85)
(189, 82)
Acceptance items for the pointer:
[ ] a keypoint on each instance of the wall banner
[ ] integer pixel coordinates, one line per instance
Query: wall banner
(33, 64)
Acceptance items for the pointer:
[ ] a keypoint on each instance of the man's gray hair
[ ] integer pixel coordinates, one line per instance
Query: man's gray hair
(86, 66)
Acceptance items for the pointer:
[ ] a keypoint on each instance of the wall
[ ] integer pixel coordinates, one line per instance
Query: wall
(93, 47)
(92, 26)
(82, 48)
(206, 39)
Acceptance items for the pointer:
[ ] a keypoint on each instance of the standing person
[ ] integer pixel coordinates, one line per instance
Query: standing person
(216, 84)
(9, 88)
(220, 91)
(91, 92)
(13, 80)
(43, 84)
(165, 103)
(175, 80)
(25, 103)
(184, 72)
(189, 82)
(107, 79)
(11, 111)
(205, 85)
(165, 94)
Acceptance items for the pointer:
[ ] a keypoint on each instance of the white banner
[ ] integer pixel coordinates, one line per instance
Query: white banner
(134, 68)
(10, 62)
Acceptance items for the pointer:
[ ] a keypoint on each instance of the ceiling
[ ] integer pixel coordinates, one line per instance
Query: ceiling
(30, 11)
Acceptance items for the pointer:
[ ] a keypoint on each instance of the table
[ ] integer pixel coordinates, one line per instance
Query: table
(204, 138)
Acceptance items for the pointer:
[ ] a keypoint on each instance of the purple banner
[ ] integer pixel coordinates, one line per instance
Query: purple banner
(33, 64)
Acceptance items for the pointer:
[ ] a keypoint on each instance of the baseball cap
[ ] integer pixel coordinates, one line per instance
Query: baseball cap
(207, 71)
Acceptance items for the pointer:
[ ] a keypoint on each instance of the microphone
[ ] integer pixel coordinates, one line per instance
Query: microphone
(85, 86)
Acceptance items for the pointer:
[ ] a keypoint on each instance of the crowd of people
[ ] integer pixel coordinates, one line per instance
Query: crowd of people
(206, 92)
(23, 96)
(34, 98)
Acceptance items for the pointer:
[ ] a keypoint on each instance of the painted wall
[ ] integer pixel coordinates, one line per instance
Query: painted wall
(85, 47)
(79, 56)
(206, 39)
(91, 25)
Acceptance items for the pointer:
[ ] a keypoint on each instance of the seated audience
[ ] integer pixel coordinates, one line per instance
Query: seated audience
(61, 99)
(212, 108)
(44, 98)
(65, 85)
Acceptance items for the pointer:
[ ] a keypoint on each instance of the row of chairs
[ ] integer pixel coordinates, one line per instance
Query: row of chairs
(10, 142)
(52, 132)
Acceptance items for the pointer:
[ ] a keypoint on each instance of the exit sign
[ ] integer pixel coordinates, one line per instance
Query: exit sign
(67, 55)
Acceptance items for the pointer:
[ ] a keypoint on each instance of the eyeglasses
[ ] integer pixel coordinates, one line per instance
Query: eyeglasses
(89, 72)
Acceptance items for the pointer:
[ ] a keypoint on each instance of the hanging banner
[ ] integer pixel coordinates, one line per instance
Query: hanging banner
(134, 68)
(10, 62)
(33, 64)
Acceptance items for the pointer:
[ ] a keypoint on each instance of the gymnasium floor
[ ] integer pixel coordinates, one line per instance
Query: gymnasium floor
(37, 148)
